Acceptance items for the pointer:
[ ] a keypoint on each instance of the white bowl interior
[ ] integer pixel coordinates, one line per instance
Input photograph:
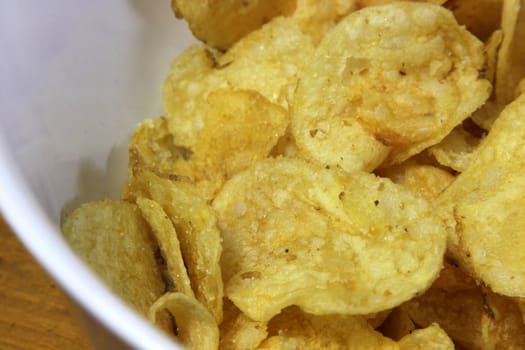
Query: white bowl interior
(77, 76)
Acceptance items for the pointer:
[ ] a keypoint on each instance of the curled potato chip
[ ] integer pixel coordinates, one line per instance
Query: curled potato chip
(295, 234)
(238, 332)
(152, 146)
(455, 150)
(385, 83)
(485, 203)
(503, 326)
(432, 337)
(427, 181)
(294, 329)
(195, 224)
(222, 23)
(168, 242)
(196, 327)
(114, 240)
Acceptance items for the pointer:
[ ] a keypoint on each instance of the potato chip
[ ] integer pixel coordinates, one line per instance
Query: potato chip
(152, 146)
(294, 329)
(510, 68)
(432, 337)
(503, 326)
(238, 332)
(486, 201)
(385, 83)
(195, 224)
(196, 327)
(455, 150)
(481, 17)
(191, 78)
(427, 181)
(116, 242)
(326, 240)
(315, 18)
(224, 145)
(222, 23)
(168, 243)
(268, 60)
(227, 143)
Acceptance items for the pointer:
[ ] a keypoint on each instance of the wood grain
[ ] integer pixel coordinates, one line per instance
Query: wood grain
(34, 312)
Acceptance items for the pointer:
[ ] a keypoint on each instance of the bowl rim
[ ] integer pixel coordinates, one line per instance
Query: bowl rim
(43, 238)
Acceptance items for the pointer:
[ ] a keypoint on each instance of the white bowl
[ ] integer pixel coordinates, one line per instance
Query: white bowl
(76, 77)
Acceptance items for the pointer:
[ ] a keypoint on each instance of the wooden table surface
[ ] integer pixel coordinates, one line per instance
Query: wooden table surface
(34, 313)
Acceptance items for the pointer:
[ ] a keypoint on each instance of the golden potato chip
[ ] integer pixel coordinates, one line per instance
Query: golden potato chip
(455, 150)
(116, 242)
(294, 329)
(317, 17)
(195, 224)
(152, 146)
(503, 326)
(427, 181)
(268, 60)
(222, 23)
(196, 327)
(168, 243)
(325, 240)
(510, 67)
(486, 115)
(385, 83)
(191, 78)
(481, 17)
(432, 337)
(458, 312)
(485, 202)
(225, 144)
(238, 332)
(240, 128)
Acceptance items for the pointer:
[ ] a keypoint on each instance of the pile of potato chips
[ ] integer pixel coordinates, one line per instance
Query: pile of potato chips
(328, 174)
